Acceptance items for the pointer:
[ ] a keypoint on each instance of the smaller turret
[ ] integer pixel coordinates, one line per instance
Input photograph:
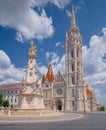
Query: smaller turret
(50, 75)
(43, 79)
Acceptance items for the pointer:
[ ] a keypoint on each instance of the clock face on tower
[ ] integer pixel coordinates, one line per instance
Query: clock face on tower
(59, 91)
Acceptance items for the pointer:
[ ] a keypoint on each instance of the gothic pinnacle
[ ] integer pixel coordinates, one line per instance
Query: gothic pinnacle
(73, 21)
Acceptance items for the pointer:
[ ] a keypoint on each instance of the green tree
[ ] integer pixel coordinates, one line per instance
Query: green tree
(6, 103)
(1, 100)
(102, 108)
(12, 106)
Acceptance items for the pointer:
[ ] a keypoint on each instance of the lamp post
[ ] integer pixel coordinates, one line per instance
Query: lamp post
(76, 99)
(84, 96)
(84, 100)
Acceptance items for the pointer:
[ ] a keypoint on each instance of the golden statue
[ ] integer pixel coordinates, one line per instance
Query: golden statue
(32, 43)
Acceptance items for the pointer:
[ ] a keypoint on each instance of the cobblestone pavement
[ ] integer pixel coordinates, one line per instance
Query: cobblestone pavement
(90, 121)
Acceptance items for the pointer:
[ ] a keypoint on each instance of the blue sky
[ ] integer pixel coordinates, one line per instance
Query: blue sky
(46, 23)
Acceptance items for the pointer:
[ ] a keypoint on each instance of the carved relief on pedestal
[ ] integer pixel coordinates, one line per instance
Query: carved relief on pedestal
(29, 98)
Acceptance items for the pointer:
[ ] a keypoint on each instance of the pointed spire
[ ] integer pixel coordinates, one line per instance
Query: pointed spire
(88, 90)
(50, 75)
(73, 21)
(43, 79)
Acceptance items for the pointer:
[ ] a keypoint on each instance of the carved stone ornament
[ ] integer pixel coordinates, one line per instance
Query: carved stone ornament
(29, 99)
(59, 91)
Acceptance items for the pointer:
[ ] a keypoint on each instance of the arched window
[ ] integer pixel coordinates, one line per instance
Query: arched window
(46, 94)
(72, 54)
(30, 74)
(72, 92)
(73, 103)
(30, 61)
(77, 66)
(77, 52)
(77, 78)
(73, 80)
(15, 100)
(73, 68)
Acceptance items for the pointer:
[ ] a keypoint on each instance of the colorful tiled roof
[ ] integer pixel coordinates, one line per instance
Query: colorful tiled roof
(88, 90)
(11, 86)
(43, 79)
(50, 75)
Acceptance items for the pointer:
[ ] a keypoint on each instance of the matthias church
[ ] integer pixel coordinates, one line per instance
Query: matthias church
(63, 92)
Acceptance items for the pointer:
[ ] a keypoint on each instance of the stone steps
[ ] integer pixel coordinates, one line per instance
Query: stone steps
(28, 112)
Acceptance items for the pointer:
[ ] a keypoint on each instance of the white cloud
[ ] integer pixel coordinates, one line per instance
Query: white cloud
(57, 64)
(60, 65)
(94, 61)
(77, 8)
(47, 55)
(52, 57)
(59, 3)
(4, 60)
(59, 44)
(8, 72)
(42, 70)
(55, 60)
(68, 13)
(21, 16)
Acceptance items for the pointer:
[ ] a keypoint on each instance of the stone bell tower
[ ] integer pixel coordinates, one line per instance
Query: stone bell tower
(74, 68)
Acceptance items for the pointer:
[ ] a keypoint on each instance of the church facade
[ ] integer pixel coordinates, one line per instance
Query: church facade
(69, 92)
(65, 92)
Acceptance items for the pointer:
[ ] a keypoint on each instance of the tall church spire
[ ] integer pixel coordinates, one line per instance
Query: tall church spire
(74, 68)
(73, 21)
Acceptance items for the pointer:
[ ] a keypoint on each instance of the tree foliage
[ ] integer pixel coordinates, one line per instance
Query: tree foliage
(1, 99)
(6, 103)
(12, 106)
(102, 108)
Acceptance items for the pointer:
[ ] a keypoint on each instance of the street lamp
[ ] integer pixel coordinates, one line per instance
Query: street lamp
(84, 92)
(84, 100)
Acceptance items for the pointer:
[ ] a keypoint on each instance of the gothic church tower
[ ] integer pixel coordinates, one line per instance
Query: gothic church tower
(75, 91)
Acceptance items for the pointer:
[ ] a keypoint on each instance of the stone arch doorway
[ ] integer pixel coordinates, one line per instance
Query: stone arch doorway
(59, 105)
